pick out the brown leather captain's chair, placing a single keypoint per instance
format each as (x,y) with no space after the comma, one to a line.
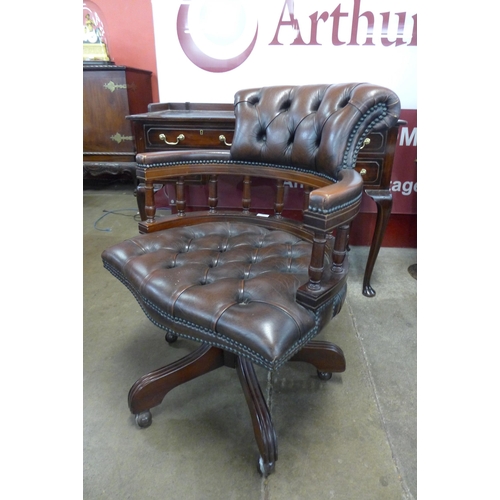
(254,289)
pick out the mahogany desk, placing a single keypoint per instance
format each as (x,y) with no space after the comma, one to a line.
(210,125)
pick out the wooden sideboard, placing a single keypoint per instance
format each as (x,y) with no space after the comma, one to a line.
(110,93)
(210,125)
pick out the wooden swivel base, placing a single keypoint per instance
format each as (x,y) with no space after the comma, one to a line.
(150,389)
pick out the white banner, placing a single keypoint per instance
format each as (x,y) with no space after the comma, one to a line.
(206,50)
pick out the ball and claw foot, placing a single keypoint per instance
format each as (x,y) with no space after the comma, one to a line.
(171,337)
(143,419)
(265,468)
(324,375)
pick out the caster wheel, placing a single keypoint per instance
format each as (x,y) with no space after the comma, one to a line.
(265,468)
(144,419)
(324,375)
(171,337)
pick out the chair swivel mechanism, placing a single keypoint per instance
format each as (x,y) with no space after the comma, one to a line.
(253,288)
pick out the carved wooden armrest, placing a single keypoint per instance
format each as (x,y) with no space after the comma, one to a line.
(154,161)
(335,204)
(330,207)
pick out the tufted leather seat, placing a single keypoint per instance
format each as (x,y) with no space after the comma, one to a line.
(231,285)
(254,289)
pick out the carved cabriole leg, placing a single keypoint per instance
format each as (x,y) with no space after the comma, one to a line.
(150,389)
(383,199)
(326,357)
(149,202)
(263,428)
(340,248)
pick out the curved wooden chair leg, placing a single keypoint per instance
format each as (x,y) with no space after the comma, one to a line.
(383,199)
(263,427)
(326,357)
(150,389)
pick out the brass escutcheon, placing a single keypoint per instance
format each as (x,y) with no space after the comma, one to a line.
(112,86)
(119,137)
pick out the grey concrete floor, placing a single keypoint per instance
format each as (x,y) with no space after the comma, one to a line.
(350,438)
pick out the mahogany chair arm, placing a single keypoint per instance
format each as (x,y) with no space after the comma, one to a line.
(336,204)
(328,198)
(182,156)
(330,207)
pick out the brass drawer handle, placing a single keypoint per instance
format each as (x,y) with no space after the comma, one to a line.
(363,171)
(180,138)
(365,143)
(222,138)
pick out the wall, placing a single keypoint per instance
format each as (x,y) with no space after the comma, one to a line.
(130,34)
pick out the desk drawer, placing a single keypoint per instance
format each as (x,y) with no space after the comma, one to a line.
(370,170)
(185,138)
(376,142)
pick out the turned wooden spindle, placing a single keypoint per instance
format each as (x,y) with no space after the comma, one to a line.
(212,193)
(149,200)
(180,201)
(340,248)
(246,199)
(307,191)
(316,265)
(279,202)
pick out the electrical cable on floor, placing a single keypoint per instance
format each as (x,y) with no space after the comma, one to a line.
(136,216)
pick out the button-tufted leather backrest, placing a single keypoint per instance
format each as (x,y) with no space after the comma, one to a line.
(309,127)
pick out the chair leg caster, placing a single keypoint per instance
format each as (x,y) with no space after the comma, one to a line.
(326,357)
(144,419)
(324,375)
(171,337)
(265,468)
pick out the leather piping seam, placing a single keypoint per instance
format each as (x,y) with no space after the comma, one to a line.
(238,162)
(229,344)
(336,208)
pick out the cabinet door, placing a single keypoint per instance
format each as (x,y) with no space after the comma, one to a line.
(105,105)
